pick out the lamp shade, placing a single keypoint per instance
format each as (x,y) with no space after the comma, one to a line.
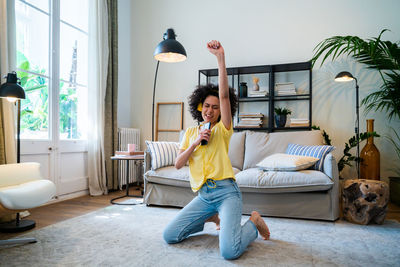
(11,88)
(170,50)
(344,76)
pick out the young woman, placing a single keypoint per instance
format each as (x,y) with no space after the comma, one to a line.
(211,172)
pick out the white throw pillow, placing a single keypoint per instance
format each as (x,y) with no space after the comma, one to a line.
(285,162)
(162,153)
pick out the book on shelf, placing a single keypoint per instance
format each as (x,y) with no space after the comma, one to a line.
(299,119)
(257,93)
(299,122)
(251,115)
(248,126)
(286,93)
(284,86)
(285,89)
(300,125)
(249,123)
(250,119)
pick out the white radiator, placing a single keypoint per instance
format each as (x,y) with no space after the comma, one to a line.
(128,136)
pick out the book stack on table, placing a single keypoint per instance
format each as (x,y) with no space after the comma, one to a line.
(250,120)
(129,153)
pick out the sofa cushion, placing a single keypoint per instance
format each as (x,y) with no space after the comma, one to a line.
(254,179)
(162,153)
(172,176)
(236,149)
(286,162)
(259,145)
(313,151)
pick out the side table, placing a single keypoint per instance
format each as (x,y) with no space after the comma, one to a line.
(365,201)
(136,159)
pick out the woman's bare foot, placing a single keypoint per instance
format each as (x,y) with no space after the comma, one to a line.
(214,219)
(260,224)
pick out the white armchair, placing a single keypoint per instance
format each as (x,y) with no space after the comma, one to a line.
(22,187)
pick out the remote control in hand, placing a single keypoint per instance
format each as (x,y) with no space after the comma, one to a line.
(205,126)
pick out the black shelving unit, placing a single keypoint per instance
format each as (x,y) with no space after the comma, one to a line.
(271,71)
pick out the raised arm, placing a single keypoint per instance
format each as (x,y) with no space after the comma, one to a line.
(216,49)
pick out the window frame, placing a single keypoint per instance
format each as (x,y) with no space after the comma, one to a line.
(54,75)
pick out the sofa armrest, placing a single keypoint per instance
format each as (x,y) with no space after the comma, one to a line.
(331,170)
(147,160)
(331,167)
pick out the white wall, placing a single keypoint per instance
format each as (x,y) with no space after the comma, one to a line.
(124,112)
(254,33)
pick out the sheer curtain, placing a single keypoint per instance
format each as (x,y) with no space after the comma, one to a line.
(98,65)
(8,152)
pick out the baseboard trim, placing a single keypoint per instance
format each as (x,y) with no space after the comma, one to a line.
(68,196)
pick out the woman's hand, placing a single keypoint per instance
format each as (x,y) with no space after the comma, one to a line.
(204,134)
(184,155)
(215,48)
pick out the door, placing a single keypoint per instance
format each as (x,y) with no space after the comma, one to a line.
(52,48)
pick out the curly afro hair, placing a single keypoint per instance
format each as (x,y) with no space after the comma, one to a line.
(201,93)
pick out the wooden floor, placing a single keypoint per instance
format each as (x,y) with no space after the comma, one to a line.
(57,212)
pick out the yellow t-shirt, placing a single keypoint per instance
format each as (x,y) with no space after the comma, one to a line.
(211,160)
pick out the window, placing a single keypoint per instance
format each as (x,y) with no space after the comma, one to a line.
(52,62)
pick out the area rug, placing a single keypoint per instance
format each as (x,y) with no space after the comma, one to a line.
(132,236)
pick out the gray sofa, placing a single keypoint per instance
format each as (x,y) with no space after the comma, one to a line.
(307,194)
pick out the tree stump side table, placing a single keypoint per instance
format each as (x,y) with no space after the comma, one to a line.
(365,201)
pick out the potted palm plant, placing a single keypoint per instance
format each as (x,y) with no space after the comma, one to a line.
(383,56)
(281,116)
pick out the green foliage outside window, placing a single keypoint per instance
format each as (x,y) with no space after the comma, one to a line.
(35,108)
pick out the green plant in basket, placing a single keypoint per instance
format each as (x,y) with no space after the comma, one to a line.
(282,111)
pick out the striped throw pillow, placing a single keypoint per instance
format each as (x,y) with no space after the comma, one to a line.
(311,151)
(162,153)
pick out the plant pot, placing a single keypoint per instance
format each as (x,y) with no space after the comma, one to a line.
(394,185)
(280,120)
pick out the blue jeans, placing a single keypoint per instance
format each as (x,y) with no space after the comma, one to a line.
(226,200)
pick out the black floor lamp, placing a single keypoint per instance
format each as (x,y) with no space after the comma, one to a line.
(345,76)
(169,50)
(13,91)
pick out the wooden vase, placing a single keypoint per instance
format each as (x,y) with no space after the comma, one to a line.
(370,157)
